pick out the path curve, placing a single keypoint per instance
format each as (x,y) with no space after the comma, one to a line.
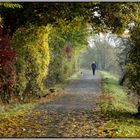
(72,115)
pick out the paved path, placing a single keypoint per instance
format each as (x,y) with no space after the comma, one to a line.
(72,115)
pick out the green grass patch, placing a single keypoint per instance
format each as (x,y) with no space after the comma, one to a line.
(15,110)
(73,77)
(118,109)
(68,80)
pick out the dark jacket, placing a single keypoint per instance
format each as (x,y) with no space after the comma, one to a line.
(93,65)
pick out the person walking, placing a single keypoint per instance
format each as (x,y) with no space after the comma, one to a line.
(93,66)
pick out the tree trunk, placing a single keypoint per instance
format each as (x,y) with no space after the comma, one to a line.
(122,79)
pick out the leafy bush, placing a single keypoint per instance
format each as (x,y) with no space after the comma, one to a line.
(7,68)
(31,45)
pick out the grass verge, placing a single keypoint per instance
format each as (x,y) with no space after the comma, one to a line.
(117,108)
(15,110)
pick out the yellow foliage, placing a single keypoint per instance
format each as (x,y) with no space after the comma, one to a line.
(33,57)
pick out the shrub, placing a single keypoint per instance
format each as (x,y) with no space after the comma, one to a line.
(31,45)
(7,68)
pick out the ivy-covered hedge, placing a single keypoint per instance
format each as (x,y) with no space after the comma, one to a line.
(31,45)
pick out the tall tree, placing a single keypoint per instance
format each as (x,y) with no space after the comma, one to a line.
(133,66)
